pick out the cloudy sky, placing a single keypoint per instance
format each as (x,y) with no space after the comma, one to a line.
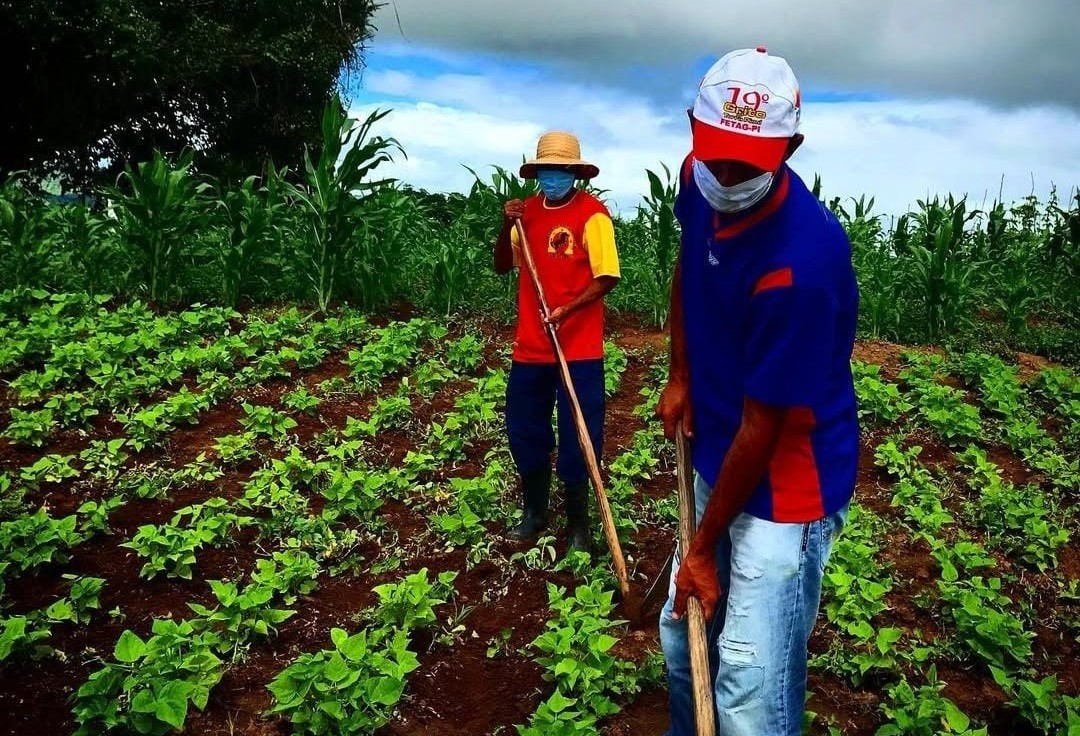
(901,100)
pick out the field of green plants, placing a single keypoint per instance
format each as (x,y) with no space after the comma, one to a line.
(253,471)
(998,277)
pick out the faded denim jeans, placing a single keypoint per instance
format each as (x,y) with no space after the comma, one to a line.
(770,582)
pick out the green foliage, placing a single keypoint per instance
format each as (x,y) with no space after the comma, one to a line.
(170,548)
(411,603)
(300,400)
(254,223)
(1041,703)
(942,407)
(999,278)
(351,688)
(37,539)
(151,684)
(161,211)
(265,421)
(49,469)
(92,248)
(575,651)
(242,82)
(854,585)
(31,428)
(648,247)
(334,196)
(465,354)
(358,492)
(25,250)
(878,398)
(391,349)
(461,527)
(614,365)
(924,711)
(1020,520)
(22,635)
(11,498)
(241,615)
(83,598)
(984,623)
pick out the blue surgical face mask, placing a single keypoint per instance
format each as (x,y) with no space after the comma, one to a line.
(555,184)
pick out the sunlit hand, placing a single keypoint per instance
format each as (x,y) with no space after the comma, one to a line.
(674,407)
(557,315)
(697,577)
(514,210)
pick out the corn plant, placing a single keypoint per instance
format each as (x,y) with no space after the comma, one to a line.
(380,267)
(252,215)
(332,196)
(91,247)
(943,277)
(161,212)
(651,260)
(24,242)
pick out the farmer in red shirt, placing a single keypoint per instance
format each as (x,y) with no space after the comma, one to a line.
(572,241)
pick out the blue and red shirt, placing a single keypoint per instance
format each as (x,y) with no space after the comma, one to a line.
(770,304)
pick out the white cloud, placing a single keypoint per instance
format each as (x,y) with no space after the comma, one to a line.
(897,151)
(439,141)
(1000,51)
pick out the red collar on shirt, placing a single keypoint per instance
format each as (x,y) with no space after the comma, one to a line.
(729,227)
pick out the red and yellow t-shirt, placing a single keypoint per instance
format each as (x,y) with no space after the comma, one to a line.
(571,245)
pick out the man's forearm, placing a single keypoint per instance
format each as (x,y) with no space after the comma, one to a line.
(504,254)
(744,468)
(598,289)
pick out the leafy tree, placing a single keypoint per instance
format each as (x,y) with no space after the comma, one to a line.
(93,85)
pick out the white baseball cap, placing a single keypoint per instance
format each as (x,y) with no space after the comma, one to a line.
(747,109)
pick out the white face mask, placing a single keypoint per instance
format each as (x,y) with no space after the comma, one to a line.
(735,198)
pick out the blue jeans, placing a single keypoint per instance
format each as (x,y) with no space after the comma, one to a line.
(770,583)
(533,392)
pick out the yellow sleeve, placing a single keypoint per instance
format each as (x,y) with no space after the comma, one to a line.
(515,246)
(600,242)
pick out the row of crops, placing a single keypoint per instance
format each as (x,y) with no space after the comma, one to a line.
(997,276)
(220,522)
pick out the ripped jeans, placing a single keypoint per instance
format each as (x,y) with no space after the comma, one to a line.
(770,583)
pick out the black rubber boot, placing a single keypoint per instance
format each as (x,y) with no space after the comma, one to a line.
(535,488)
(577,516)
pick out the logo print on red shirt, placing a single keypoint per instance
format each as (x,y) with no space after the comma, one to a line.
(561,239)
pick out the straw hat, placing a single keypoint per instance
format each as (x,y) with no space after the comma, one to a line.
(562,149)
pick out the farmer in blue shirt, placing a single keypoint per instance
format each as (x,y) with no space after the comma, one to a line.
(764,305)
